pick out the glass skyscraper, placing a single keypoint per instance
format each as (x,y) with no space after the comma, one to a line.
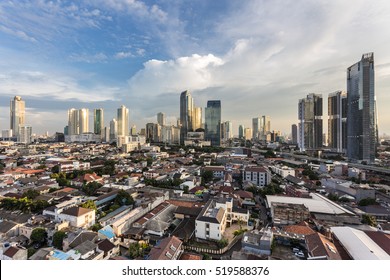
(98,121)
(362,131)
(17,115)
(310,122)
(186,114)
(213,122)
(337,122)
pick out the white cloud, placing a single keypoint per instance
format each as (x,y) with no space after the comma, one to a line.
(280,51)
(37,84)
(122,55)
(88,58)
(194,72)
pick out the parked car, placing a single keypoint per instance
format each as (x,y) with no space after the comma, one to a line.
(300,254)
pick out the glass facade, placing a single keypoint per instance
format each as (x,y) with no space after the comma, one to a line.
(213,122)
(361,110)
(310,122)
(337,112)
(186,114)
(98,121)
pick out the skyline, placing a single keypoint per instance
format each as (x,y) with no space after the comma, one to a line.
(102,54)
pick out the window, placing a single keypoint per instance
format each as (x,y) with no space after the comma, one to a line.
(173,248)
(169,255)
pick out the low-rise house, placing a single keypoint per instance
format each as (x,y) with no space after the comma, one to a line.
(257,242)
(215,216)
(108,248)
(8,229)
(169,248)
(14,253)
(78,217)
(321,248)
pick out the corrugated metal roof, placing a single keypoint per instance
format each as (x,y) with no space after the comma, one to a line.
(358,244)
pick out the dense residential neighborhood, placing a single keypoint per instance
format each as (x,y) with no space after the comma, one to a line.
(86,201)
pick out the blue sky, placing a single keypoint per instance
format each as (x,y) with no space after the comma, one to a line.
(257,57)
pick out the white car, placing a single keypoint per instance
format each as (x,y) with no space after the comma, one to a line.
(300,254)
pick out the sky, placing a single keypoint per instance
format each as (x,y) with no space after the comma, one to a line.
(257,57)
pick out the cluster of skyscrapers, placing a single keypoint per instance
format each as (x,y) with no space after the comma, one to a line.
(352,121)
(18,130)
(352,116)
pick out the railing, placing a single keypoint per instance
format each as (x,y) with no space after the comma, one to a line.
(213,251)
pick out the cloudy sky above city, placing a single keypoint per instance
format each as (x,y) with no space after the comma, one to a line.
(257,57)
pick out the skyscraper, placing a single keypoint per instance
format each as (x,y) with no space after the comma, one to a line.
(265,127)
(241,130)
(255,128)
(362,130)
(310,122)
(113,130)
(98,121)
(186,114)
(73,122)
(123,121)
(294,134)
(17,115)
(197,118)
(213,122)
(83,121)
(161,118)
(25,132)
(337,122)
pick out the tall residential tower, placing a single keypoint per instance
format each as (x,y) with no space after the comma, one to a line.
(17,115)
(362,131)
(337,122)
(310,122)
(213,122)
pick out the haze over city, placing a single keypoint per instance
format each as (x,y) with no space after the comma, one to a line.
(257,57)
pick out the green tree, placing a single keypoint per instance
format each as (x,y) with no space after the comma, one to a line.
(38,235)
(91,188)
(222,243)
(96,227)
(137,250)
(89,204)
(123,198)
(30,252)
(207,176)
(31,194)
(369,220)
(58,239)
(367,201)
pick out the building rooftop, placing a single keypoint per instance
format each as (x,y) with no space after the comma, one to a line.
(316,204)
(359,245)
(76,211)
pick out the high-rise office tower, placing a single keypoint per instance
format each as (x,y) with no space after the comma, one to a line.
(133,130)
(362,131)
(98,121)
(123,121)
(113,130)
(265,127)
(17,115)
(227,131)
(337,121)
(310,122)
(197,118)
(247,133)
(213,122)
(25,132)
(186,114)
(73,122)
(241,129)
(294,134)
(83,121)
(255,128)
(161,118)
